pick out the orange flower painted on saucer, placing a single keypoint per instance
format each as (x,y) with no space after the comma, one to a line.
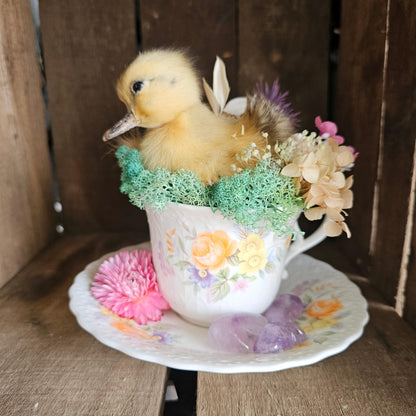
(210,250)
(323,308)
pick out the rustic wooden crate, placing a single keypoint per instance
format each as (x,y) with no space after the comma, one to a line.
(368,86)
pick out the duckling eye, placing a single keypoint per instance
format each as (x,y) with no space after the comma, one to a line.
(137,86)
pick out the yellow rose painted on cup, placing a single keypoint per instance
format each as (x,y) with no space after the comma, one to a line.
(210,250)
(252,255)
(324,307)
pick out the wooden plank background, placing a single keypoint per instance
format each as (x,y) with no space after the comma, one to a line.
(49,364)
(26,203)
(359,112)
(397,160)
(288,40)
(86,46)
(210,30)
(376,109)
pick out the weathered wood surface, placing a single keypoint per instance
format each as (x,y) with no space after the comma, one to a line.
(288,40)
(410,286)
(48,364)
(206,30)
(397,158)
(26,207)
(86,46)
(359,111)
(376,111)
(374,376)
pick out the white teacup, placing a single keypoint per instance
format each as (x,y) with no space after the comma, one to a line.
(208,266)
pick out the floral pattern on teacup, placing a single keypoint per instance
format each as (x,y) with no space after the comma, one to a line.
(211,250)
(252,255)
(219,263)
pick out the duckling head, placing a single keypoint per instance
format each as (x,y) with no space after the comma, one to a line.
(156,87)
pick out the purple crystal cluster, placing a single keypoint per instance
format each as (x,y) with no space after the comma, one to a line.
(272,332)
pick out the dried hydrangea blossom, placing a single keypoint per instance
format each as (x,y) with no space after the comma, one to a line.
(320,176)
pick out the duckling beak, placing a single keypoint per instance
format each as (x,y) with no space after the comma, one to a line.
(125,124)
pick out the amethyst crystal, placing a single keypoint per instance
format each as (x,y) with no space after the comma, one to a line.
(237,333)
(276,338)
(285,308)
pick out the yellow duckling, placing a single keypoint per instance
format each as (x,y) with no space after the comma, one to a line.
(162,93)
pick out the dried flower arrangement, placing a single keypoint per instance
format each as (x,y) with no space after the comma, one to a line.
(307,171)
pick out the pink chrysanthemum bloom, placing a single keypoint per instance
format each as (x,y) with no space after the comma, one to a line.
(126,284)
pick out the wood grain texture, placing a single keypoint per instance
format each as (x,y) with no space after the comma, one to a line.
(48,364)
(398,148)
(359,111)
(374,376)
(86,46)
(410,287)
(26,202)
(206,29)
(288,40)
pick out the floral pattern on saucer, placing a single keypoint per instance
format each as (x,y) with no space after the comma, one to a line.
(322,317)
(335,315)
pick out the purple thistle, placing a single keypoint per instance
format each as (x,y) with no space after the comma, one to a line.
(278,98)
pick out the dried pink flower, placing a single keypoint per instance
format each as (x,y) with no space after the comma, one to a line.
(329,128)
(126,284)
(353,151)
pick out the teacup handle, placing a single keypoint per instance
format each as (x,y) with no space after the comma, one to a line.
(302,244)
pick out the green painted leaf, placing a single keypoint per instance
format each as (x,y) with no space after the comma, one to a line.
(250,278)
(219,290)
(307,299)
(233,260)
(182,245)
(182,265)
(223,274)
(234,278)
(270,266)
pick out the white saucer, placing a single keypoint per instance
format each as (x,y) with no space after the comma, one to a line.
(176,343)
